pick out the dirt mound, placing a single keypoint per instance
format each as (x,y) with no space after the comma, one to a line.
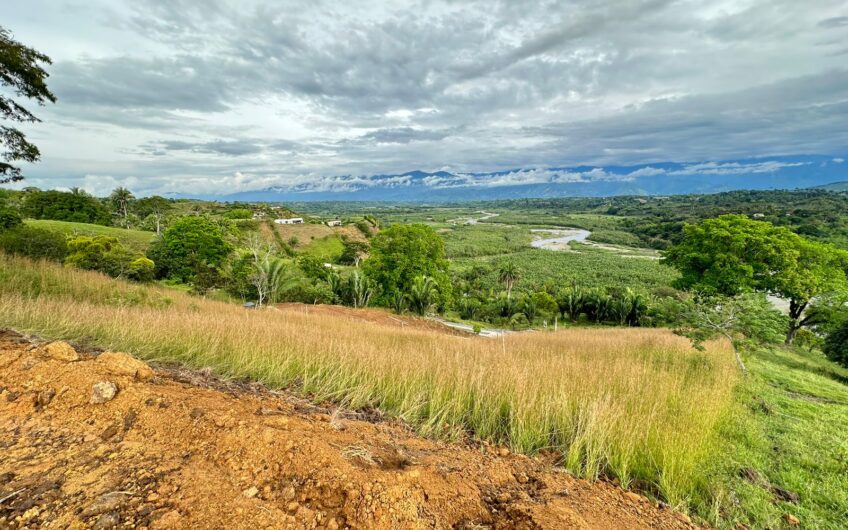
(175,449)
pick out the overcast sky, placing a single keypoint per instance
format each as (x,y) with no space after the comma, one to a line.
(215,96)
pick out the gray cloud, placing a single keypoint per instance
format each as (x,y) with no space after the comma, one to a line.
(218,95)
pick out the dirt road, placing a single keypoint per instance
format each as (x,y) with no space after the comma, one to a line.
(99,440)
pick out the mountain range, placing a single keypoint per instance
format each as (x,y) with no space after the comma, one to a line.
(666,178)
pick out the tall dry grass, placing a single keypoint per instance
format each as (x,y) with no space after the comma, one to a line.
(628,403)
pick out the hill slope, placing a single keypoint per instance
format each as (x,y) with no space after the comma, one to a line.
(181,450)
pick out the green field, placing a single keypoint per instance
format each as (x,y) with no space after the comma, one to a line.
(789,432)
(134,239)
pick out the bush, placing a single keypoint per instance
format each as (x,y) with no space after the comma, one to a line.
(836,345)
(33,242)
(9,219)
(141,269)
(107,255)
(239,213)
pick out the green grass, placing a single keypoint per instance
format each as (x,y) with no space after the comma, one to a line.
(327,249)
(137,240)
(791,427)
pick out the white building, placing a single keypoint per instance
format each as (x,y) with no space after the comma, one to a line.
(334,223)
(290,221)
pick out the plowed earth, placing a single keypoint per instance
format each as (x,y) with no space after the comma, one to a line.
(177,449)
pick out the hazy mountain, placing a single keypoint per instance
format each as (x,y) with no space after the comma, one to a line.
(668,178)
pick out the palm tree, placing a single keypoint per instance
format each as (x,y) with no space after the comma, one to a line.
(508,274)
(361,288)
(121,199)
(421,294)
(280,278)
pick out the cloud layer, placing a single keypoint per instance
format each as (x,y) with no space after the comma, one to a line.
(218,96)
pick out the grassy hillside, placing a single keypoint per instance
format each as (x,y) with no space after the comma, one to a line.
(634,404)
(134,239)
(787,438)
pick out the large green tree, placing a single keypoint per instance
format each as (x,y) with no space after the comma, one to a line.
(732,254)
(192,250)
(402,253)
(22,73)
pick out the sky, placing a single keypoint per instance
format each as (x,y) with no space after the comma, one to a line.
(215,97)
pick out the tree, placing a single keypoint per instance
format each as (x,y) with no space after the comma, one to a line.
(422,294)
(508,274)
(353,252)
(735,318)
(21,71)
(9,218)
(836,345)
(76,206)
(192,250)
(402,253)
(120,199)
(153,208)
(732,254)
(263,269)
(360,288)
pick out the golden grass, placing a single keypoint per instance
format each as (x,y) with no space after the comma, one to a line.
(628,403)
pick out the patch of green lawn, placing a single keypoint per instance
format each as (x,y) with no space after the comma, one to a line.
(791,430)
(137,240)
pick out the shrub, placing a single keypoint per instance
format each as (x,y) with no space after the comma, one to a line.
(546,305)
(9,219)
(836,345)
(33,242)
(141,269)
(107,255)
(239,213)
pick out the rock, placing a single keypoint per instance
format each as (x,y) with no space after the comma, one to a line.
(196,413)
(503,451)
(108,502)
(61,351)
(785,495)
(107,521)
(170,519)
(635,497)
(44,398)
(109,432)
(251,492)
(129,419)
(103,391)
(125,364)
(791,520)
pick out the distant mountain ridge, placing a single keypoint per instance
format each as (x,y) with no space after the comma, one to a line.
(667,178)
(834,186)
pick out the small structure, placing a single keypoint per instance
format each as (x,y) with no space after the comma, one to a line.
(290,221)
(250,305)
(759,216)
(334,222)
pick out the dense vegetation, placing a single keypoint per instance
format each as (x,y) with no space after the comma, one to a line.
(721,256)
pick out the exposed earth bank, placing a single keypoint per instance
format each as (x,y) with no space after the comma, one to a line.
(99,440)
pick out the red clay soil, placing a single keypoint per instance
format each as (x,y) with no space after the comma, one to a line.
(373,315)
(176,449)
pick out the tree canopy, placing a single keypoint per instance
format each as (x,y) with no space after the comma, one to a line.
(21,71)
(732,254)
(192,250)
(402,253)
